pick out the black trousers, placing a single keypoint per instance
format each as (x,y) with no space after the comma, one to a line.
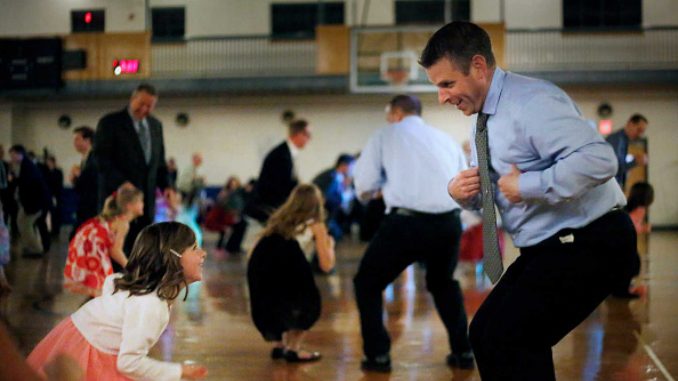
(400,241)
(234,243)
(551,288)
(135,227)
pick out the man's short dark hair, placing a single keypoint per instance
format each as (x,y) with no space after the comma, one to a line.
(297,126)
(146,88)
(458,41)
(344,158)
(409,104)
(86,132)
(18,148)
(637,118)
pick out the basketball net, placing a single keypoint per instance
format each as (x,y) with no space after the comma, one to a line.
(397,77)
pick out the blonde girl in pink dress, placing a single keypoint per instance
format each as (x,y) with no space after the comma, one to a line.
(101,239)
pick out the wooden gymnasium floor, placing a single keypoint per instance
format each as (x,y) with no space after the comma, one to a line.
(621,340)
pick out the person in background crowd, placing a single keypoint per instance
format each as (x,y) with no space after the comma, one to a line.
(5,256)
(84,177)
(54,177)
(172,172)
(337,187)
(7,191)
(34,201)
(278,175)
(640,198)
(129,147)
(227,215)
(191,180)
(633,130)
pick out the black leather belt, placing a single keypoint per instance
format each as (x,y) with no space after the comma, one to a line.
(414,213)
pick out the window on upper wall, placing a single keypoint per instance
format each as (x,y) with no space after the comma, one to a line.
(169,24)
(431,11)
(602,14)
(298,20)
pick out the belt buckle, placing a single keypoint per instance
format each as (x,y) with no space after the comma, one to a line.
(404,212)
(569,238)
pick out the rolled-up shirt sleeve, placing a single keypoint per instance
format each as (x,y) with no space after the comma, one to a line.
(581,158)
(368,173)
(145,319)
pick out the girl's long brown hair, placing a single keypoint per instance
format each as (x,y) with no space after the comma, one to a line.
(152,266)
(304,204)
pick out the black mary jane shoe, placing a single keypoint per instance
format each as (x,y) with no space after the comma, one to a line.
(293,356)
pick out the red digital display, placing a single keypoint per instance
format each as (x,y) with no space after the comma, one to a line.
(88,17)
(125,67)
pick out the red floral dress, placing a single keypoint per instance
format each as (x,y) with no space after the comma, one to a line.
(89,260)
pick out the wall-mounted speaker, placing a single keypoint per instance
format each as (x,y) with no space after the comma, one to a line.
(604,110)
(182,119)
(64,121)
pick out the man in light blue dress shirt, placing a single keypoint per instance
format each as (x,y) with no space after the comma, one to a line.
(553,183)
(411,162)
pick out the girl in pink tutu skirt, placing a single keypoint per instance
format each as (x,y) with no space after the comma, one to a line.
(110,335)
(99,240)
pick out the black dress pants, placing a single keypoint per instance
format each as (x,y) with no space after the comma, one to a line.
(551,288)
(234,243)
(400,241)
(135,227)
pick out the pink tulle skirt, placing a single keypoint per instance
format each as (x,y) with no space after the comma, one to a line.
(66,339)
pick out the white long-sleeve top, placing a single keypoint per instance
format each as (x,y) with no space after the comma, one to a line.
(127,327)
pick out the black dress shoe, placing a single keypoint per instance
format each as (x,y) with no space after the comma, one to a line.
(463,361)
(293,356)
(277,353)
(380,364)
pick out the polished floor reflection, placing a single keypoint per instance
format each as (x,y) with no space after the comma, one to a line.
(621,340)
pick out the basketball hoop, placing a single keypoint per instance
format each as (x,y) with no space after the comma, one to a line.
(398,68)
(397,77)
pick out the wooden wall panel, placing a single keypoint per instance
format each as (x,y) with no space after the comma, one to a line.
(497,34)
(103,48)
(333,50)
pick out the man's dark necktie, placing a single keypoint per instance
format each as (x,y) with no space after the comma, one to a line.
(144,139)
(491,257)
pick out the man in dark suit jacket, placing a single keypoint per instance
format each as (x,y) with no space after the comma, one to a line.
(34,200)
(129,148)
(634,129)
(85,178)
(278,177)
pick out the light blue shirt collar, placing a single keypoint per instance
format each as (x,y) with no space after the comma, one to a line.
(492,99)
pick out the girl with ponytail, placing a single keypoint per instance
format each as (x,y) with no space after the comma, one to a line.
(101,239)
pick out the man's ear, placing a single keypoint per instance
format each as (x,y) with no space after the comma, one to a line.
(399,114)
(478,66)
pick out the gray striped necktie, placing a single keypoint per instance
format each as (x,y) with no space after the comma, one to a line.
(491,257)
(144,139)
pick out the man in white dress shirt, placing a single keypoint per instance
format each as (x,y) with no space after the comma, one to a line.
(411,162)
